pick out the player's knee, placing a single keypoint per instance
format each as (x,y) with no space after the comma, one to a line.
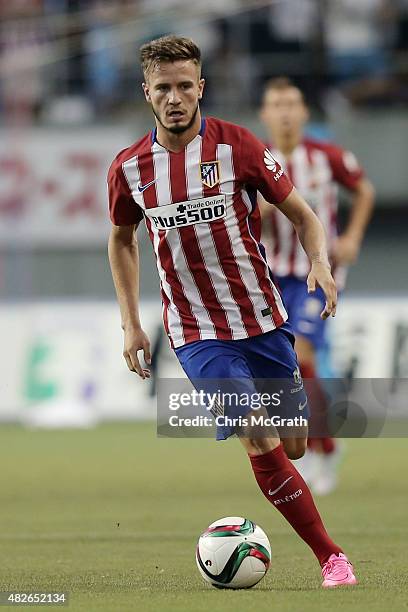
(259,446)
(295,448)
(256,446)
(297,453)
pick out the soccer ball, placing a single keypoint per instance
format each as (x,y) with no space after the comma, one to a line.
(233,553)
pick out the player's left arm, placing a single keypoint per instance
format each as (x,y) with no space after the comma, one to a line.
(347,246)
(312,237)
(257,167)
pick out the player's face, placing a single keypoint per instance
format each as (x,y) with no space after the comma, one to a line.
(284,112)
(174,89)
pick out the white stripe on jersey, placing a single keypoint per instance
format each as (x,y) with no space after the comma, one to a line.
(180,264)
(207,247)
(244,265)
(131,171)
(327,194)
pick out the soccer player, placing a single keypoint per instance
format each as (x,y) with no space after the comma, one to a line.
(194,182)
(316,169)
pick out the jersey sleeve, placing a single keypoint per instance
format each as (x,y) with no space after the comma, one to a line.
(259,169)
(123,209)
(345,167)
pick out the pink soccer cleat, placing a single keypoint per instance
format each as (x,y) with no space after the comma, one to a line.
(338,571)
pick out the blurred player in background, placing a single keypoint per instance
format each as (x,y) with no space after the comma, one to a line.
(194,182)
(316,169)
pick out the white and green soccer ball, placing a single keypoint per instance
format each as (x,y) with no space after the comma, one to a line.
(233,553)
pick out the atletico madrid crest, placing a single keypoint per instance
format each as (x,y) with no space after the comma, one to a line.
(210,173)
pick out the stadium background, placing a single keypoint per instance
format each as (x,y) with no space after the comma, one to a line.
(70,99)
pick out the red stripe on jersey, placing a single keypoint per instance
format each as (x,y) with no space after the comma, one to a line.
(226,256)
(192,251)
(256,223)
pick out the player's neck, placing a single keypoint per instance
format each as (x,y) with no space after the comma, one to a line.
(287,143)
(177,142)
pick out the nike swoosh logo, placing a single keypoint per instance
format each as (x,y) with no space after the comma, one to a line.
(280,486)
(141,187)
(301,406)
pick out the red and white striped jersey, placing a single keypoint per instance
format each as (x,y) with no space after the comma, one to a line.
(200,210)
(316,169)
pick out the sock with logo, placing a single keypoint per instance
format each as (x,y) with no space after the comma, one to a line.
(318,408)
(284,487)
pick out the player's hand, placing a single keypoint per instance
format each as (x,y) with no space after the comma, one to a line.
(346,249)
(320,275)
(136,340)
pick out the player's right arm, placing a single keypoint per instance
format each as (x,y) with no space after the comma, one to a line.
(124,262)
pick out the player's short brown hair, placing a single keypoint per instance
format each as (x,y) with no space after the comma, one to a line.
(168,49)
(280,84)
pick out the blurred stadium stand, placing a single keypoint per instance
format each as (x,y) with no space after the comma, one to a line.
(54,49)
(69,74)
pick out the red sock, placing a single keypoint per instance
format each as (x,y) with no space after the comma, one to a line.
(328,445)
(324,445)
(318,406)
(291,496)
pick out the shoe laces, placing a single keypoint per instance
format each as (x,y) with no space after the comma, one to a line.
(335,566)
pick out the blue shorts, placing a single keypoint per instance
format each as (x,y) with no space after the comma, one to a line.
(304,309)
(248,363)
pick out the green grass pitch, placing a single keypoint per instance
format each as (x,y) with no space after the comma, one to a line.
(112,515)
